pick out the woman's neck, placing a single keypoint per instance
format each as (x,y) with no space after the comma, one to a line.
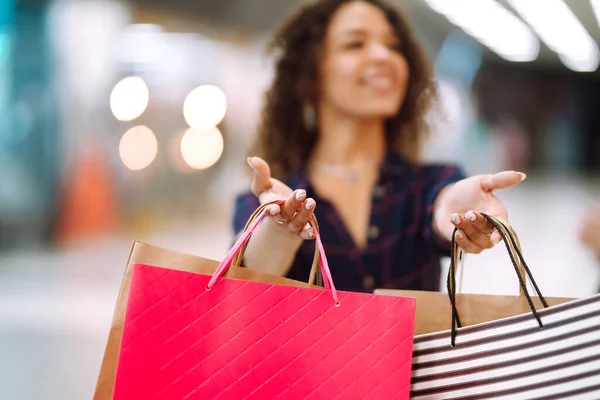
(346,141)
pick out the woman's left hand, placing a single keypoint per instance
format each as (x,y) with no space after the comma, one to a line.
(460,206)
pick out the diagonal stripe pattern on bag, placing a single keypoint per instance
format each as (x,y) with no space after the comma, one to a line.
(196,336)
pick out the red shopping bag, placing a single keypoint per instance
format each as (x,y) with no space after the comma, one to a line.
(196,336)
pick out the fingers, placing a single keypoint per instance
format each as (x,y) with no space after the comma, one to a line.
(300,221)
(475,233)
(292,204)
(262,175)
(495,237)
(295,213)
(466,244)
(501,180)
(479,222)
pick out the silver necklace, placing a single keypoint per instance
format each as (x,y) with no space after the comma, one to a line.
(348,172)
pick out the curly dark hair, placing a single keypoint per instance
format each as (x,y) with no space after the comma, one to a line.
(283,140)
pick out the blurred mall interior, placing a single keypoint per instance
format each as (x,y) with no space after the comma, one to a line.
(131,120)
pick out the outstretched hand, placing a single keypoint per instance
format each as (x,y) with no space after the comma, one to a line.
(294,214)
(460,206)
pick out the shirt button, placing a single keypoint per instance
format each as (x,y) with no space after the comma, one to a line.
(373,232)
(369,282)
(379,191)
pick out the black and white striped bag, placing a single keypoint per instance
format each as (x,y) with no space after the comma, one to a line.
(553,353)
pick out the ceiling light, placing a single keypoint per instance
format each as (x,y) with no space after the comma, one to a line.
(493,26)
(559,28)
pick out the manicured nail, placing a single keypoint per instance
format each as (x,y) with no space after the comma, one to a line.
(310,203)
(523,176)
(300,194)
(459,235)
(455,219)
(495,238)
(471,216)
(308,234)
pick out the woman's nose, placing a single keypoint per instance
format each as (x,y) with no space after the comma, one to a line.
(379,51)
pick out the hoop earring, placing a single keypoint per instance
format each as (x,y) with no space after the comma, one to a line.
(309,116)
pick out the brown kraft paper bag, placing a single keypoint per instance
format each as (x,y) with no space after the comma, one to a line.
(143,253)
(150,255)
(434,310)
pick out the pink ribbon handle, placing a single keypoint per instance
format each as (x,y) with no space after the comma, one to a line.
(226,263)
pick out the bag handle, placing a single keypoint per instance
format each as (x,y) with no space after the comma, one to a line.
(514,248)
(236,253)
(237,261)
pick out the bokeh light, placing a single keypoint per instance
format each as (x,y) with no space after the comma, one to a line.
(174,156)
(138,148)
(205,107)
(201,149)
(129,98)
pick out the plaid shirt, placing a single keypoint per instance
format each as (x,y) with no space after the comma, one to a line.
(402,251)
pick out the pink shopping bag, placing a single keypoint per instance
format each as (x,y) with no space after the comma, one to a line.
(197,336)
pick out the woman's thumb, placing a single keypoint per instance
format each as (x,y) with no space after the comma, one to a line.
(262,175)
(501,180)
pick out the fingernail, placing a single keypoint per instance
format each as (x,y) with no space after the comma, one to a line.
(455,219)
(495,238)
(249,160)
(310,203)
(308,234)
(300,194)
(523,176)
(274,210)
(471,216)
(459,235)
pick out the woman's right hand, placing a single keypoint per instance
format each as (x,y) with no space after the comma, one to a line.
(293,215)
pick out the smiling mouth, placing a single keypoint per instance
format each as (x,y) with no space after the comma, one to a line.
(379,83)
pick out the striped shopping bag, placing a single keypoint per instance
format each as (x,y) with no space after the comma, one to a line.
(552,353)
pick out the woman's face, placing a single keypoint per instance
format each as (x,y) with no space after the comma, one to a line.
(363,74)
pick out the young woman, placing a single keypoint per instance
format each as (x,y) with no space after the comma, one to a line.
(342,125)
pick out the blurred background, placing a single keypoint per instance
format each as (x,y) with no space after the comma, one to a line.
(98,98)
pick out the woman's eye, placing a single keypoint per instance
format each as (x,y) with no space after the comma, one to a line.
(354,45)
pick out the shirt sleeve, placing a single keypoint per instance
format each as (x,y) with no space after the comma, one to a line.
(245,205)
(437,177)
